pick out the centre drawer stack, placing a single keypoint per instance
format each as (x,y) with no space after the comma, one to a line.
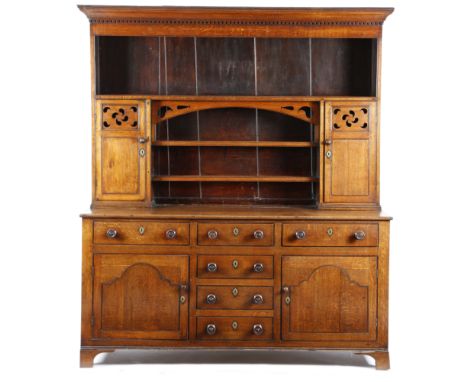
(234,290)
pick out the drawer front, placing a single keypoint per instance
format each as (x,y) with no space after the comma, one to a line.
(234,297)
(235,266)
(141,232)
(235,328)
(235,234)
(331,234)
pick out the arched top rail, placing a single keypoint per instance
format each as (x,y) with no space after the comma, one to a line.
(306,111)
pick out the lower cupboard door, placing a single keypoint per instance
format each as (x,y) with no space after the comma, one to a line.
(140,296)
(329,298)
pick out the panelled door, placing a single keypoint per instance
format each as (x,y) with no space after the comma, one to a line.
(329,298)
(140,296)
(350,153)
(122,142)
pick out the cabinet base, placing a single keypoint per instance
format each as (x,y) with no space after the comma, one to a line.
(87,356)
(382,358)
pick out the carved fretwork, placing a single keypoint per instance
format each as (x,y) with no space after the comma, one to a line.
(120,117)
(305,111)
(350,118)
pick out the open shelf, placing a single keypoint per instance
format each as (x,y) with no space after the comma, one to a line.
(233,144)
(234,66)
(219,178)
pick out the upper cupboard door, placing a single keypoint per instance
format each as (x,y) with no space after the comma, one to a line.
(140,296)
(350,153)
(329,298)
(122,145)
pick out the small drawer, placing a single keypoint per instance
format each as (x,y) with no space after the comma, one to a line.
(331,235)
(141,232)
(235,328)
(235,234)
(234,297)
(235,266)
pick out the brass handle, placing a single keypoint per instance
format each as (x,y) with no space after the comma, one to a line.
(285,289)
(257,299)
(212,267)
(300,235)
(171,233)
(359,235)
(258,267)
(257,329)
(210,329)
(211,299)
(142,140)
(327,142)
(213,234)
(258,234)
(111,233)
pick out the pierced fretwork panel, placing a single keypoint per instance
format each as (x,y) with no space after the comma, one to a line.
(119,117)
(350,118)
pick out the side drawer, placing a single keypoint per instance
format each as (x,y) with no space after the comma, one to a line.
(235,234)
(235,328)
(235,266)
(141,232)
(234,297)
(331,235)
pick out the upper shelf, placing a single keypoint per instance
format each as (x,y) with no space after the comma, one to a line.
(255,67)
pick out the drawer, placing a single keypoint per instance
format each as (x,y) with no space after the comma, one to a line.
(235,328)
(141,232)
(331,234)
(235,234)
(235,266)
(234,297)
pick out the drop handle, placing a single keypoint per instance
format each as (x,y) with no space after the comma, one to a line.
(212,267)
(258,267)
(212,234)
(258,234)
(211,329)
(300,235)
(171,234)
(211,299)
(111,233)
(257,329)
(359,235)
(257,299)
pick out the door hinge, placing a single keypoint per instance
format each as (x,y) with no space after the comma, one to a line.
(92,320)
(92,271)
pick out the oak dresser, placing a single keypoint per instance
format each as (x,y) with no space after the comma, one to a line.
(235,181)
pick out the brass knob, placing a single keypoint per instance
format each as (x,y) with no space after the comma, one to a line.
(111,233)
(359,235)
(210,329)
(171,233)
(286,289)
(258,267)
(300,235)
(211,299)
(257,299)
(258,234)
(142,140)
(212,267)
(213,234)
(327,142)
(257,329)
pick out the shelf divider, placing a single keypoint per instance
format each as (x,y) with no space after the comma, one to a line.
(194,143)
(233,178)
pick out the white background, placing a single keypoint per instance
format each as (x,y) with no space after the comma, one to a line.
(45,160)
